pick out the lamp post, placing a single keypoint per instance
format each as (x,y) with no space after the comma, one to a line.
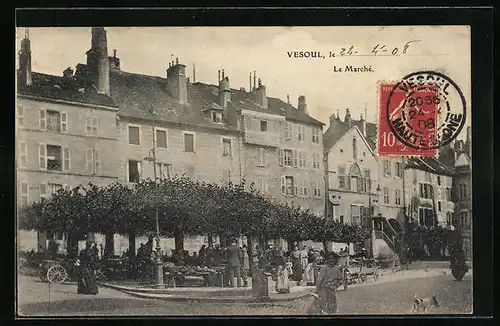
(372,224)
(158,258)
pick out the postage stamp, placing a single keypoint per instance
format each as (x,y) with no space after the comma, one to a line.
(424,111)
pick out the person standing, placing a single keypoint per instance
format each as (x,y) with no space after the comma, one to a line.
(329,279)
(87,283)
(234,264)
(304,255)
(245,266)
(296,265)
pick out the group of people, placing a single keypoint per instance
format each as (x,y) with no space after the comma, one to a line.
(86,268)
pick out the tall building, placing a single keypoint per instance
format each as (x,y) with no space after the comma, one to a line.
(64,132)
(352,173)
(207,132)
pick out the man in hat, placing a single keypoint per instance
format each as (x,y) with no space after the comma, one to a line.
(234,264)
(329,279)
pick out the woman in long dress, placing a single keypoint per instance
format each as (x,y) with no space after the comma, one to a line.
(309,272)
(87,283)
(296,265)
(282,282)
(329,279)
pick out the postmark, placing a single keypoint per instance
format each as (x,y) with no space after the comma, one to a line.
(419,114)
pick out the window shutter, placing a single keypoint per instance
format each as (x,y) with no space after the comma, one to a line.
(283,184)
(88,160)
(23,159)
(281,156)
(348,181)
(43,120)
(42,156)
(64,122)
(295,186)
(294,158)
(43,191)
(139,169)
(97,163)
(66,159)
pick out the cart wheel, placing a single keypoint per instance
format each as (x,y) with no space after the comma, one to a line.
(57,274)
(362,277)
(375,275)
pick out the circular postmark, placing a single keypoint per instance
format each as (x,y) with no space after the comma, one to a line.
(426,110)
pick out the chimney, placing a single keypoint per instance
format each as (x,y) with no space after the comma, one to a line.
(288,99)
(301,105)
(98,62)
(347,118)
(176,82)
(25,61)
(114,61)
(332,119)
(254,80)
(260,96)
(338,114)
(68,73)
(250,82)
(224,91)
(362,125)
(194,73)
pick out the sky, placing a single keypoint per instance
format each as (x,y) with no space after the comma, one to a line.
(241,50)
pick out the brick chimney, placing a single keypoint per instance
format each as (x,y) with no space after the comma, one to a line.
(259,95)
(114,61)
(362,125)
(224,90)
(25,61)
(302,105)
(347,118)
(98,62)
(333,118)
(176,81)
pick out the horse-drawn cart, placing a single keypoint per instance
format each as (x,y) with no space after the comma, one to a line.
(62,270)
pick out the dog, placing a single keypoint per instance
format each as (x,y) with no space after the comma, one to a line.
(422,304)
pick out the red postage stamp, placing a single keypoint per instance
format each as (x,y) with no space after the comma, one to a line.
(416,113)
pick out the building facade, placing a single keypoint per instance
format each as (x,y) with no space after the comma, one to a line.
(462,189)
(207,132)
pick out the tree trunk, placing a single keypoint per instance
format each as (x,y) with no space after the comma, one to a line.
(223,240)
(210,240)
(131,244)
(290,244)
(325,246)
(109,247)
(72,244)
(179,240)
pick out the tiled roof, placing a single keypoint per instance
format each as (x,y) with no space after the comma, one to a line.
(429,164)
(60,88)
(333,134)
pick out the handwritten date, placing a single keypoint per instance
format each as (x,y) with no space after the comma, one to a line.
(378,50)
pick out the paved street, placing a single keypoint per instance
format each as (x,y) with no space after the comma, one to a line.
(384,298)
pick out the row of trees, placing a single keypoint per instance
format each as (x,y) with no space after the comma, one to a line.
(184,207)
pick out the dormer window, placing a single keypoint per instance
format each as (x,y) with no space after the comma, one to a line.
(217,117)
(263,125)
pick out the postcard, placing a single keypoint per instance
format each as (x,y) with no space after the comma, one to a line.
(252,170)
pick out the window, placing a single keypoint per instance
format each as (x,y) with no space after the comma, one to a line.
(387,168)
(161,138)
(355,215)
(134,135)
(316,188)
(261,185)
(92,163)
(462,191)
(226,147)
(164,170)
(92,123)
(316,160)
(341,219)
(226,176)
(355,182)
(20,116)
(448,194)
(342,177)
(217,117)
(426,191)
(449,219)
(302,160)
(188,142)
(134,168)
(439,180)
(315,135)
(55,158)
(288,131)
(425,216)
(262,157)
(43,191)
(300,133)
(397,194)
(354,149)
(288,157)
(288,186)
(439,206)
(24,194)
(464,220)
(53,121)
(398,166)
(386,195)
(336,213)
(53,188)
(368,180)
(22,154)
(263,125)
(302,187)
